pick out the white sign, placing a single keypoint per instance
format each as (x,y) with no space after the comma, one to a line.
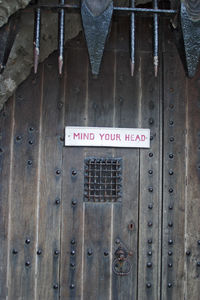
(107,137)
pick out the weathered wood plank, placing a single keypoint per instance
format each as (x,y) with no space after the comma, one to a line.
(49,212)
(125,214)
(6,130)
(150,202)
(192,208)
(23,194)
(72,191)
(173,177)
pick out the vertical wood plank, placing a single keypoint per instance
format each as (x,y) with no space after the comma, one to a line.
(23,218)
(6,131)
(192,226)
(150,183)
(72,190)
(173,177)
(49,212)
(125,215)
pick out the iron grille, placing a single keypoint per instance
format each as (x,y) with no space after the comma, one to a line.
(103,180)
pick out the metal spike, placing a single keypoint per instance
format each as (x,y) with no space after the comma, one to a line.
(36,41)
(132,39)
(155,39)
(61,36)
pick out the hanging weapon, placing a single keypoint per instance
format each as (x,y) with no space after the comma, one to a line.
(36,41)
(61,36)
(132,38)
(155,28)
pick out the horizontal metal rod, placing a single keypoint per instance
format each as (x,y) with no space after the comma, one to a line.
(116,8)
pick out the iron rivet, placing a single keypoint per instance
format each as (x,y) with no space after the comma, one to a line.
(56,252)
(74,172)
(169,285)
(39,252)
(171,123)
(170,242)
(55,286)
(15,251)
(31,129)
(18,138)
(72,286)
(61,138)
(148,285)
(150,224)
(74,202)
(58,172)
(171,155)
(149,253)
(170,207)
(170,253)
(151,121)
(170,265)
(171,190)
(28,241)
(151,138)
(73,252)
(27,263)
(188,252)
(150,154)
(149,264)
(170,224)
(117,241)
(106,253)
(150,172)
(57,201)
(90,252)
(30,142)
(198,264)
(171,139)
(198,242)
(150,189)
(150,241)
(72,264)
(171,172)
(30,162)
(1,150)
(60,105)
(150,206)
(171,106)
(73,242)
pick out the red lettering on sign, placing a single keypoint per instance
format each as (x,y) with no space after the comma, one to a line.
(118,138)
(76,135)
(143,137)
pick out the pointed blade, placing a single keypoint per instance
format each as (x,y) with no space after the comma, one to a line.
(96,28)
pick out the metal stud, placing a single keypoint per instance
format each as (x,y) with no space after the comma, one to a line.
(171,172)
(73,252)
(56,252)
(171,106)
(171,190)
(188,252)
(74,172)
(58,172)
(171,155)
(1,150)
(170,224)
(170,253)
(18,138)
(170,207)
(151,138)
(72,286)
(170,242)
(149,253)
(171,139)
(151,121)
(90,252)
(106,253)
(150,154)
(73,242)
(148,285)
(117,241)
(74,202)
(198,242)
(72,265)
(198,264)
(169,285)
(57,201)
(149,241)
(150,206)
(27,241)
(29,162)
(170,265)
(15,251)
(39,252)
(150,224)
(55,286)
(31,129)
(171,123)
(150,172)
(27,263)
(149,264)
(150,189)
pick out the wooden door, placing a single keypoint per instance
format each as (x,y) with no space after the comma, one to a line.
(102,223)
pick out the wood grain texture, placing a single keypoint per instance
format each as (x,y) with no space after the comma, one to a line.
(192,226)
(49,213)
(174,179)
(23,194)
(6,129)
